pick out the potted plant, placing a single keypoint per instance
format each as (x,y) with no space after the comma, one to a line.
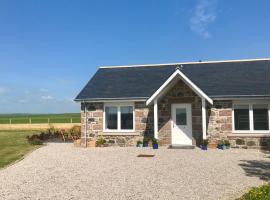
(139,143)
(221,145)
(227,144)
(204,144)
(100,142)
(145,142)
(155,143)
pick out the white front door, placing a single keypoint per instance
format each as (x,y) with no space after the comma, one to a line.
(181,124)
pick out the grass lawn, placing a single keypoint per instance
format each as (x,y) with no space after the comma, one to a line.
(13,146)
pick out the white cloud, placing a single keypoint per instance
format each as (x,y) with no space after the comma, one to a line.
(43,90)
(204,14)
(48,97)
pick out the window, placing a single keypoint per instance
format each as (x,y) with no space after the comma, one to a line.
(111,117)
(251,117)
(260,117)
(126,117)
(241,117)
(119,117)
(181,116)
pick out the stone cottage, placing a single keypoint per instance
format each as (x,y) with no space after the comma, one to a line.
(179,103)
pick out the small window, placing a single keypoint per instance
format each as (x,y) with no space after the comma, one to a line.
(119,117)
(181,116)
(241,117)
(260,117)
(126,117)
(111,118)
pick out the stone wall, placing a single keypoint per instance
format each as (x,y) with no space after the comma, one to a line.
(180,93)
(143,125)
(249,142)
(219,120)
(220,127)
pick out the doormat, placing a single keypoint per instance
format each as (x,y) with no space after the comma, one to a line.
(145,155)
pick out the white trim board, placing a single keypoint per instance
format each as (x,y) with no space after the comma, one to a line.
(194,87)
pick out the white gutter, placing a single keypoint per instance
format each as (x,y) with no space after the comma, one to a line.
(112,99)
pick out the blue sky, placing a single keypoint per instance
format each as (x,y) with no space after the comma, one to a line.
(49,49)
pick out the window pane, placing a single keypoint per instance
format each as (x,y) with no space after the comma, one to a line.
(126,117)
(241,117)
(181,116)
(260,117)
(111,117)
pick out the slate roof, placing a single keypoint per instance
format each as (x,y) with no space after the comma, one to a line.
(216,79)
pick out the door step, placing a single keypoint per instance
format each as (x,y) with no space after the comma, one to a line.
(181,146)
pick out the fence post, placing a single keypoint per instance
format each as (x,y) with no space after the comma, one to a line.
(30,121)
(48,120)
(9,121)
(71,120)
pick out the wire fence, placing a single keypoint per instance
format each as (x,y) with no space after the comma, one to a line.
(30,120)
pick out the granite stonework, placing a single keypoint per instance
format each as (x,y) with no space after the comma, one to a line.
(252,142)
(220,127)
(219,122)
(143,125)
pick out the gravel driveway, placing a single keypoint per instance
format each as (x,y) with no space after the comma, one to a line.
(60,171)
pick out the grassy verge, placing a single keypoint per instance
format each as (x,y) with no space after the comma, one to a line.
(13,146)
(257,193)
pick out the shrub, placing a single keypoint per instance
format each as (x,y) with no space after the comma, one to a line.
(75,133)
(139,142)
(100,141)
(72,134)
(36,141)
(145,141)
(32,137)
(65,134)
(227,143)
(205,142)
(257,193)
(154,141)
(221,142)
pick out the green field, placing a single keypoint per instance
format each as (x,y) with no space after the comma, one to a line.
(39,118)
(13,146)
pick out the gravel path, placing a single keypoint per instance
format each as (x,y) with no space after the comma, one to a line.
(60,171)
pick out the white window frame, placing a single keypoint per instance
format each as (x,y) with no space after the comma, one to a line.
(118,105)
(251,124)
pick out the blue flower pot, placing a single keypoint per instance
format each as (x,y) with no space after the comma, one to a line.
(204,147)
(155,146)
